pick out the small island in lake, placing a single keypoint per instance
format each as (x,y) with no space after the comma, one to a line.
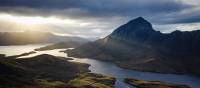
(60,45)
(152,84)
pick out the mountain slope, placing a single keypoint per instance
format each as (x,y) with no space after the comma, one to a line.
(136,45)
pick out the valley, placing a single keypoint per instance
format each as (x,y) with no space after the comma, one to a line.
(107,69)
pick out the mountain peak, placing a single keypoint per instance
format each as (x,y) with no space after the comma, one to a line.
(138,27)
(139,18)
(139,21)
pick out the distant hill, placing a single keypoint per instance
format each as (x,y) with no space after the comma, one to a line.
(60,45)
(136,45)
(31,37)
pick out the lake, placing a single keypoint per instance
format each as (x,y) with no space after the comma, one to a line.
(106,68)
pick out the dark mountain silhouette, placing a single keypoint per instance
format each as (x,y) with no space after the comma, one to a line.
(30,37)
(136,45)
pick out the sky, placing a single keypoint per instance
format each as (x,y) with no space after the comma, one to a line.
(96,18)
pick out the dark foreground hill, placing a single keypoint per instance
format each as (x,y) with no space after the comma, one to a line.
(136,45)
(31,37)
(46,71)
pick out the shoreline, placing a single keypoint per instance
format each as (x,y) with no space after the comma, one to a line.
(128,68)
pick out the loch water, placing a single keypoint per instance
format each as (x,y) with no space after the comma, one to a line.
(105,68)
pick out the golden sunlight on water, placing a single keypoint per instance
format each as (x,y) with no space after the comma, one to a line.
(19,49)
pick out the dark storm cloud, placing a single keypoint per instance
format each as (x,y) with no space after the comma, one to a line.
(189,20)
(49,4)
(192,17)
(154,10)
(99,5)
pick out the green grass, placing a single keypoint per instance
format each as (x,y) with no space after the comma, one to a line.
(45,84)
(92,81)
(46,71)
(152,84)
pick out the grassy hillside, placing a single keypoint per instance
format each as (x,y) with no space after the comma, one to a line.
(46,71)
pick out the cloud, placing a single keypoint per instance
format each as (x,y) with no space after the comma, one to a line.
(182,27)
(82,28)
(98,18)
(96,8)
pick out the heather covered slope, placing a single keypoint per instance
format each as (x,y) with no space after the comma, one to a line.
(136,45)
(46,71)
(38,72)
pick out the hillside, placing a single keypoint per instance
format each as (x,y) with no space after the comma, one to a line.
(136,45)
(46,71)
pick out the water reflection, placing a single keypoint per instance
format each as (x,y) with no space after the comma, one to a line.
(55,52)
(111,69)
(19,49)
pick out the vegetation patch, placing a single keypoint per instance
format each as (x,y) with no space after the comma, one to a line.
(46,71)
(152,84)
(90,80)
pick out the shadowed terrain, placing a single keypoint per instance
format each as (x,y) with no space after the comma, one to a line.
(152,84)
(46,71)
(136,45)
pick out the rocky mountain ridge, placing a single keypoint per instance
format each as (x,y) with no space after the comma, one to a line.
(136,45)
